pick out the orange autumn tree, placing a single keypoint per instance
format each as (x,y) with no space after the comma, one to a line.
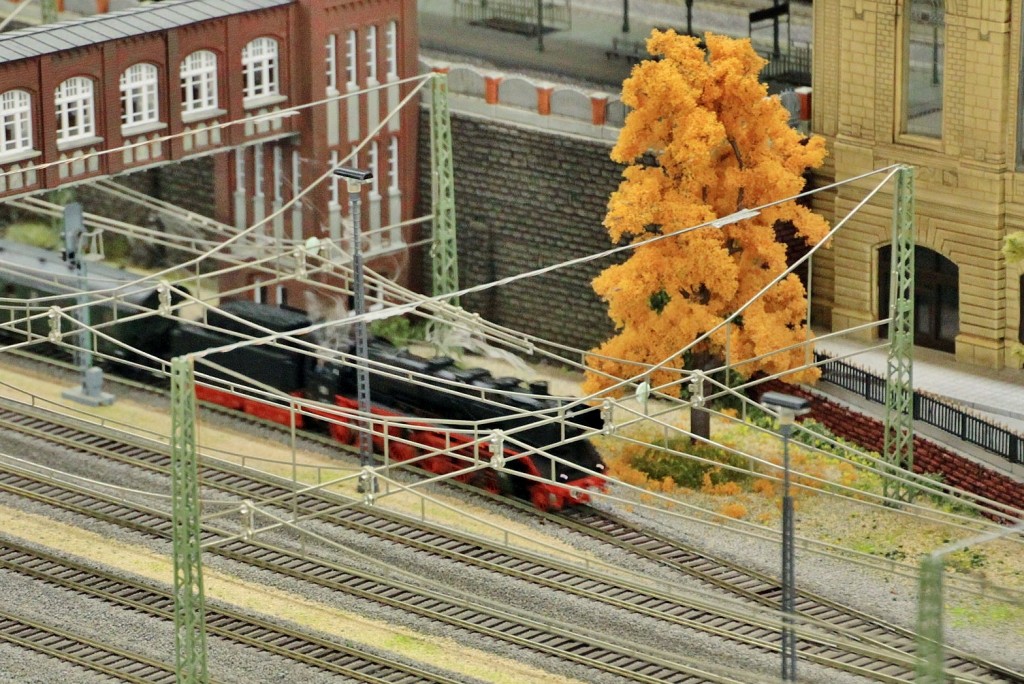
(704,140)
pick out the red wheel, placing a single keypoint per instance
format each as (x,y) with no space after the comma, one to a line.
(541,498)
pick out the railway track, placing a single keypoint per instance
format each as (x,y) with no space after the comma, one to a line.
(765,590)
(249,631)
(86,653)
(591,652)
(879,652)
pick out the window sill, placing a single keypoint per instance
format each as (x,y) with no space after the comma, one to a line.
(201,115)
(18,155)
(263,101)
(920,141)
(75,143)
(142,128)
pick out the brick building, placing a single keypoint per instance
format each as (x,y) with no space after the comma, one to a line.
(936,85)
(275,92)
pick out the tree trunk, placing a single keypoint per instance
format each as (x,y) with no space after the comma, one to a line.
(700,419)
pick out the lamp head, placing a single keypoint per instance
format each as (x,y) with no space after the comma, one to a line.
(779,400)
(787,405)
(356,178)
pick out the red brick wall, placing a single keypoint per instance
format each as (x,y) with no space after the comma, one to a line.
(929,457)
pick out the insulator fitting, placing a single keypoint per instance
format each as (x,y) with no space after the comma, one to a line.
(697,387)
(164,297)
(55,332)
(607,418)
(366,484)
(496,445)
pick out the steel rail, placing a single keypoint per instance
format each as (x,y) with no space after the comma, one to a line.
(82,651)
(869,653)
(232,625)
(632,661)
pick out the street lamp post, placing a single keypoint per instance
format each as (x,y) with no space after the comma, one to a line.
(356,179)
(788,408)
(90,390)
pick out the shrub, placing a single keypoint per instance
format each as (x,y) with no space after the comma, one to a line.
(35,234)
(734,510)
(398,330)
(658,462)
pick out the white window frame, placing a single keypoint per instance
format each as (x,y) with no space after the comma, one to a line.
(335,183)
(371,54)
(393,168)
(15,121)
(331,66)
(351,65)
(139,95)
(74,103)
(391,52)
(199,82)
(373,164)
(260,69)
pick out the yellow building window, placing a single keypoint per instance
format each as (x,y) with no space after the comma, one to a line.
(924,51)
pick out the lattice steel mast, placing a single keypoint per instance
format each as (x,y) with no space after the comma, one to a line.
(443,249)
(899,386)
(189,599)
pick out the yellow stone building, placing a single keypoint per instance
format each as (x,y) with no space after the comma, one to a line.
(937,85)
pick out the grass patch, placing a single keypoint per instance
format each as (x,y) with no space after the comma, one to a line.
(399,331)
(41,235)
(835,500)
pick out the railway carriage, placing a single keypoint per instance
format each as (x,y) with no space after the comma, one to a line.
(412,387)
(30,273)
(429,403)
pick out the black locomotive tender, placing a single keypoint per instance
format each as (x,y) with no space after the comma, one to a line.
(443,391)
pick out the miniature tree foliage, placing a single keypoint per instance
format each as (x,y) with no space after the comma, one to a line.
(1013,247)
(703,140)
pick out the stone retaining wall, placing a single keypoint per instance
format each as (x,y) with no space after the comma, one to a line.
(526,199)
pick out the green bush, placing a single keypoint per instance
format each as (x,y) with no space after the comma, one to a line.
(658,463)
(35,234)
(398,330)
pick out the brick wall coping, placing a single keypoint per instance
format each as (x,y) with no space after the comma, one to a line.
(514,98)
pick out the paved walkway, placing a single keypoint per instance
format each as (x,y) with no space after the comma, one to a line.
(579,52)
(997,393)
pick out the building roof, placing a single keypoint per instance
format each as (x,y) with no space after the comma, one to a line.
(136,21)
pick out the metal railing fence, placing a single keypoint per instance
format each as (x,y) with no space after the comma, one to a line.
(929,409)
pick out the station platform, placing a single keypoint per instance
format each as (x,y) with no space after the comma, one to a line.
(995,396)
(579,53)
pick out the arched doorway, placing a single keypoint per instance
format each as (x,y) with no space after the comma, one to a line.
(936,297)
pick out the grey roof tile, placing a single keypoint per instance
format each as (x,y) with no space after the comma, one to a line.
(136,21)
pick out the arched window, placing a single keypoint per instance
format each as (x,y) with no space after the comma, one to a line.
(371,53)
(199,82)
(259,64)
(936,297)
(74,103)
(393,164)
(331,46)
(15,121)
(139,95)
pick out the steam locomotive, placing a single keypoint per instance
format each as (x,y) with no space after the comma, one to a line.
(411,388)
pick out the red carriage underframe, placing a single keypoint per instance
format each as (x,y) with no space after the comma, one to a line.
(437,451)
